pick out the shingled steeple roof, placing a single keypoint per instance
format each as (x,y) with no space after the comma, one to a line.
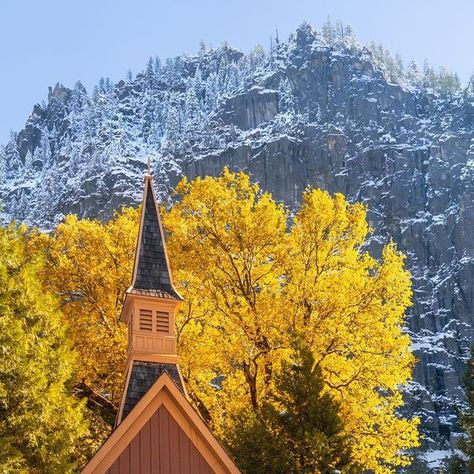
(156,428)
(152,275)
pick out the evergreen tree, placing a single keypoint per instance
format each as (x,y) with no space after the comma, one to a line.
(95,93)
(469,89)
(381,52)
(78,115)
(233,80)
(212,92)
(448,83)
(157,66)
(413,74)
(101,85)
(278,49)
(192,113)
(429,76)
(198,83)
(286,100)
(79,97)
(222,76)
(108,84)
(28,168)
(399,66)
(391,66)
(298,430)
(12,157)
(41,424)
(39,159)
(202,48)
(340,31)
(349,36)
(328,31)
(257,56)
(466,419)
(3,166)
(172,139)
(150,74)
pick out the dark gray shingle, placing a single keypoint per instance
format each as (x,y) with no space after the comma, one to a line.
(143,376)
(152,269)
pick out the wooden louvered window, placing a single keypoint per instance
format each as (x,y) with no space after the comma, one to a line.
(146,317)
(162,322)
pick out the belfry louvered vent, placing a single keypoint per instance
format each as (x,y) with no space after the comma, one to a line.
(146,320)
(162,322)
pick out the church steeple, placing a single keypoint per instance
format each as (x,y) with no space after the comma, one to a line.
(151,270)
(150,307)
(156,429)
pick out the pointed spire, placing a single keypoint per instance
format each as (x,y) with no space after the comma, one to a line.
(150,308)
(152,274)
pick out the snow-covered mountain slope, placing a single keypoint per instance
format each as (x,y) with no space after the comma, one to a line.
(316,111)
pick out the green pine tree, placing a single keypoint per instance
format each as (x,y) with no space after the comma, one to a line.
(457,465)
(465,463)
(298,430)
(40,422)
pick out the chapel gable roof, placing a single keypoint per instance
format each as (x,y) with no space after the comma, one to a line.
(164,434)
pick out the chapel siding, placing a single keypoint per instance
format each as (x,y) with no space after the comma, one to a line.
(160,447)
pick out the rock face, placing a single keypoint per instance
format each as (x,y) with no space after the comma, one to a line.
(314,113)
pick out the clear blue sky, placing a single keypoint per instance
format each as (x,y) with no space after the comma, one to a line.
(47,41)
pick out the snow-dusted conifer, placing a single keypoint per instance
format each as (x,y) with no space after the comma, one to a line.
(150,74)
(3,166)
(413,74)
(192,113)
(172,137)
(328,31)
(157,66)
(13,161)
(286,99)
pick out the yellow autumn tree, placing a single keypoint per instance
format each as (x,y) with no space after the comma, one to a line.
(224,247)
(89,265)
(41,422)
(252,277)
(351,308)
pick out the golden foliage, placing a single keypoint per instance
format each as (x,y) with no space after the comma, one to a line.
(224,248)
(253,276)
(89,267)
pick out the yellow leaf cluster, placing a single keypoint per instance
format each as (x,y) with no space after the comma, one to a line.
(89,266)
(253,277)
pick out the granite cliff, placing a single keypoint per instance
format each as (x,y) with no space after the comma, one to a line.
(316,111)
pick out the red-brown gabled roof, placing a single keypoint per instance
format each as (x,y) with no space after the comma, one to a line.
(163,434)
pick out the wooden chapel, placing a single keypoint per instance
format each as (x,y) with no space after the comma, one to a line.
(157,430)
